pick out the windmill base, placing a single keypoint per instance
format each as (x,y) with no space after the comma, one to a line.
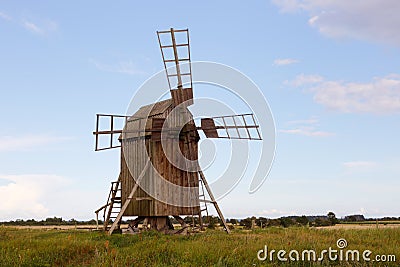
(158,223)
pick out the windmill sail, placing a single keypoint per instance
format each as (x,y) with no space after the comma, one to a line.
(175,51)
(111,130)
(242,126)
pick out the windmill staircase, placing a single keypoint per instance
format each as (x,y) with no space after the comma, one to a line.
(203,204)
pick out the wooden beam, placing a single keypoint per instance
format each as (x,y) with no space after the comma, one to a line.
(97,129)
(178,69)
(102,207)
(106,132)
(207,201)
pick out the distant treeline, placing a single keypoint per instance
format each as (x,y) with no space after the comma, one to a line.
(312,221)
(212,221)
(49,221)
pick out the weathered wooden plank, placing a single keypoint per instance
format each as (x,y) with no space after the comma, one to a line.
(208,127)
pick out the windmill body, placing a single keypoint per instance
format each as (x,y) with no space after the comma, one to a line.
(145,147)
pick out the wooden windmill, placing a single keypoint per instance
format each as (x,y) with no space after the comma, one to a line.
(158,143)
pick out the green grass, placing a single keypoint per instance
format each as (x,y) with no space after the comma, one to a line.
(27,247)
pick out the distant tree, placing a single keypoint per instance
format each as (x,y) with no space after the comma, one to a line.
(286,222)
(246,223)
(302,220)
(332,218)
(274,222)
(212,222)
(354,218)
(321,222)
(31,222)
(54,220)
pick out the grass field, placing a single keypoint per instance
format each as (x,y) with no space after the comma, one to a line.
(41,247)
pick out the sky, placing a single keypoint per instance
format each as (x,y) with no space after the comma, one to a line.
(330,71)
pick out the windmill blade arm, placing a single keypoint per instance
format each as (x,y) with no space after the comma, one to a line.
(109,129)
(175,53)
(242,126)
(108,132)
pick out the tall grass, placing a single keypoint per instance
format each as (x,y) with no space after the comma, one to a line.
(26,247)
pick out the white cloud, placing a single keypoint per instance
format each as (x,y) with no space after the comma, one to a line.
(360,164)
(307,127)
(380,96)
(5,16)
(372,20)
(27,142)
(32,27)
(272,213)
(285,61)
(125,67)
(303,79)
(25,195)
(42,28)
(307,131)
(312,120)
(39,27)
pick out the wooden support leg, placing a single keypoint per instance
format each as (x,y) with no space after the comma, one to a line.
(221,216)
(145,223)
(159,223)
(133,224)
(181,221)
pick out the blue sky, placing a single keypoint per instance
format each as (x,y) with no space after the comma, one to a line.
(329,70)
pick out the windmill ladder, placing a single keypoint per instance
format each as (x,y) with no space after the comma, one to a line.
(128,200)
(112,200)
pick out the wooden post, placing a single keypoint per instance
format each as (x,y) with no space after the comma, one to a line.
(97,221)
(201,221)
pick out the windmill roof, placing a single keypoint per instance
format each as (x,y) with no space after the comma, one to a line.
(152,109)
(142,119)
